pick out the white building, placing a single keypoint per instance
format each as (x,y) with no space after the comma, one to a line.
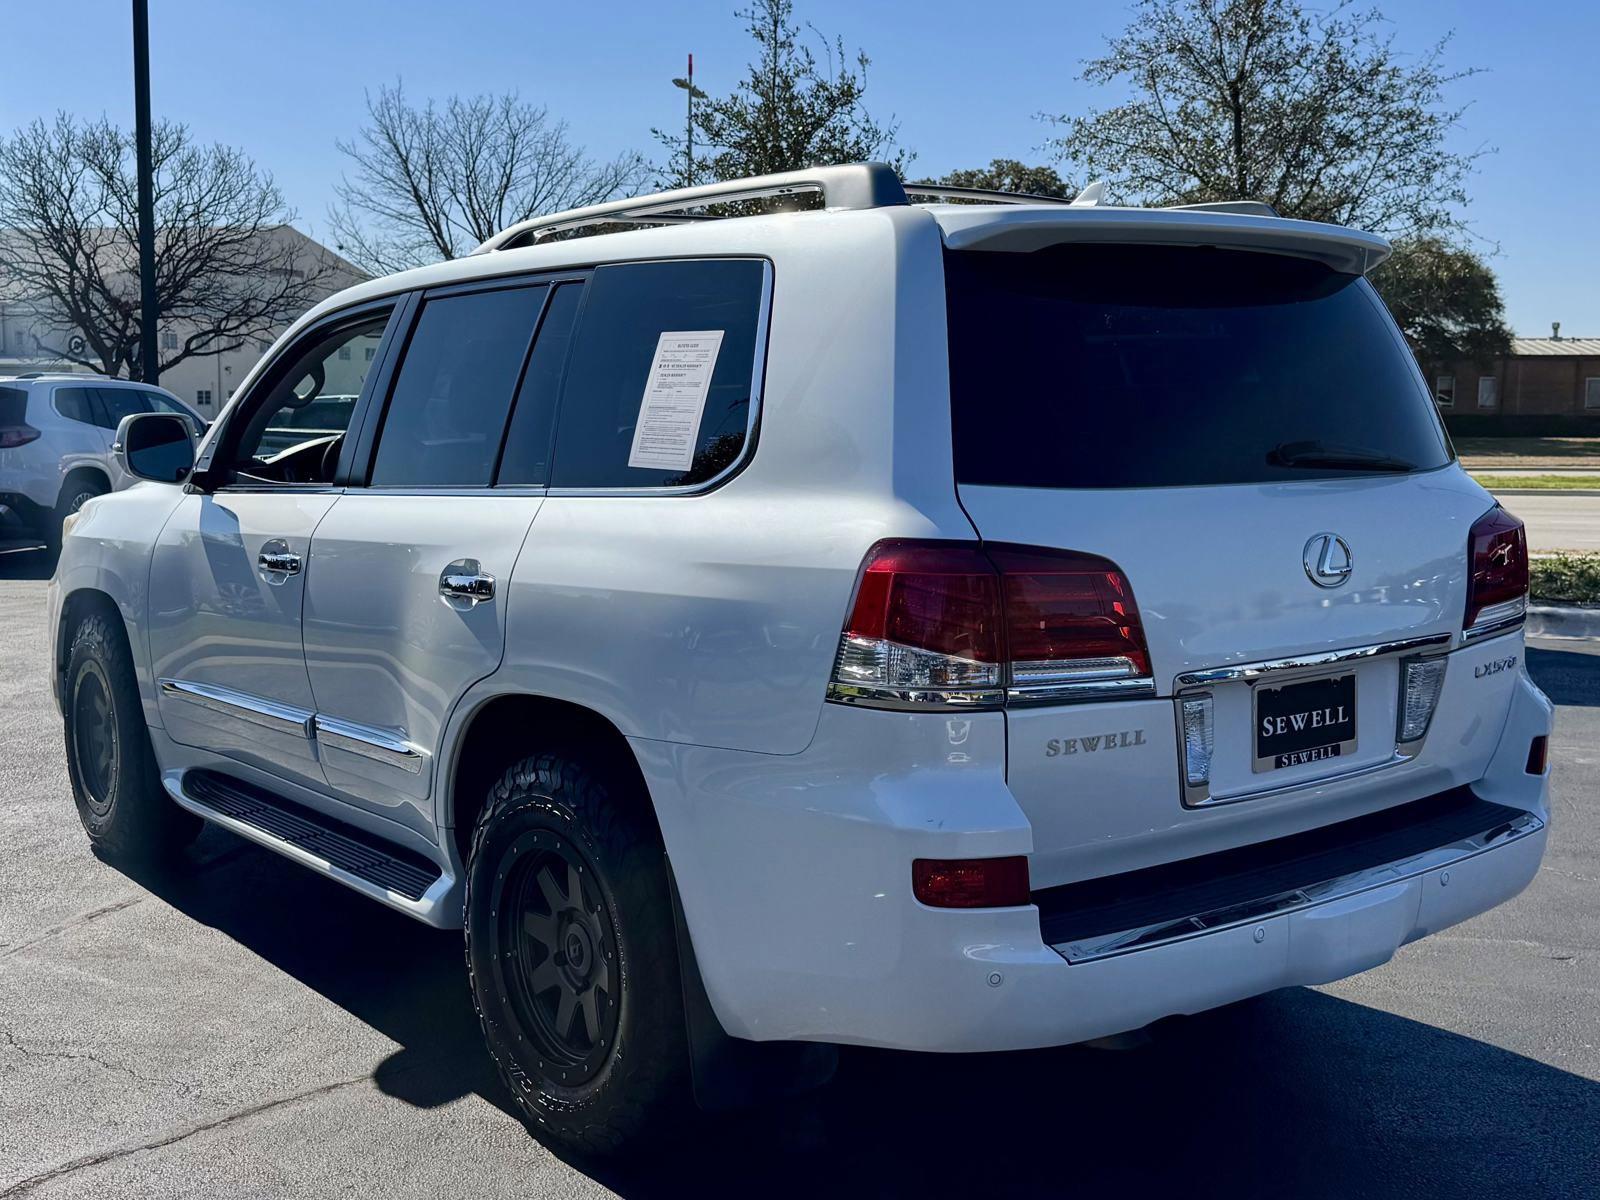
(28,327)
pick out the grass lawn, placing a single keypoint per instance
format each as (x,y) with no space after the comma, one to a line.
(1543,483)
(1478,453)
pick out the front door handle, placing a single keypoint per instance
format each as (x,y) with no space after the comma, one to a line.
(277,562)
(465,584)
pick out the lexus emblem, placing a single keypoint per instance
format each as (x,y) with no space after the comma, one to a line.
(1327,560)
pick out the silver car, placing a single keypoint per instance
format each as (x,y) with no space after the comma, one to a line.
(55,446)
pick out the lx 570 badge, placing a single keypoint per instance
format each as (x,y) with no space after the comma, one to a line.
(1494,666)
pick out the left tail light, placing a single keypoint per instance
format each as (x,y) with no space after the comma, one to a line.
(1497,583)
(958,625)
(12,436)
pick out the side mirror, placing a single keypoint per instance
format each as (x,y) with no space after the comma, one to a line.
(158,446)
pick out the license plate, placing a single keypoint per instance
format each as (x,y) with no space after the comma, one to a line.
(1305,722)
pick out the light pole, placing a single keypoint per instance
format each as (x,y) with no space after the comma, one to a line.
(148,314)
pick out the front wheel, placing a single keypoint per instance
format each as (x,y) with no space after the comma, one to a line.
(572,959)
(115,781)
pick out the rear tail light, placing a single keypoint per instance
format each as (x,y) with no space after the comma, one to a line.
(1497,583)
(970,882)
(953,624)
(12,436)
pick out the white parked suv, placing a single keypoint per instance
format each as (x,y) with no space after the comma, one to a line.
(55,446)
(956,626)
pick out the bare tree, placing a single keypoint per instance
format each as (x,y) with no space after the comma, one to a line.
(227,269)
(431,183)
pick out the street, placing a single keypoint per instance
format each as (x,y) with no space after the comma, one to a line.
(242,1027)
(1557,521)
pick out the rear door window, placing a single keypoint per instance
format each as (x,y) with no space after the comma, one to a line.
(116,403)
(447,413)
(1116,366)
(526,458)
(676,342)
(77,404)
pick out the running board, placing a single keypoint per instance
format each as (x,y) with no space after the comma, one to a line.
(385,872)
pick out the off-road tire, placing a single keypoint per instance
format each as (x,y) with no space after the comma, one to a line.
(550,808)
(116,784)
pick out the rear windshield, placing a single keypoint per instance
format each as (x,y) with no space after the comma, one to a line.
(1115,366)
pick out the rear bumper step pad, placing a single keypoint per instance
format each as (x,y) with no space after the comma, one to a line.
(340,845)
(1096,918)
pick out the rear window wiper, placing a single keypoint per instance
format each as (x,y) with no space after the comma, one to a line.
(1335,458)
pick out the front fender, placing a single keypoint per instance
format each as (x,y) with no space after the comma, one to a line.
(108,552)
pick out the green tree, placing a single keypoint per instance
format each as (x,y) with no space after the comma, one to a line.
(1316,113)
(1008,175)
(790,111)
(1319,115)
(1445,299)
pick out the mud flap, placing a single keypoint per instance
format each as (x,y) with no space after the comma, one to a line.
(729,1072)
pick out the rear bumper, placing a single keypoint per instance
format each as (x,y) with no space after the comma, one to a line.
(794,874)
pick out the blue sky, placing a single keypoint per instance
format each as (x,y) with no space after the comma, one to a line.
(285,79)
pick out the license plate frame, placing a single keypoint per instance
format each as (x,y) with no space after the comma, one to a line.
(1325,709)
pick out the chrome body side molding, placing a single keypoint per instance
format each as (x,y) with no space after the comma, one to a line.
(386,746)
(269,714)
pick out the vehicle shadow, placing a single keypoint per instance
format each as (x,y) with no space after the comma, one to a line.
(1566,676)
(27,564)
(1296,1094)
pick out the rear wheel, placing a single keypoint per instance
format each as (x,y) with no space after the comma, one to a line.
(572,958)
(74,495)
(115,781)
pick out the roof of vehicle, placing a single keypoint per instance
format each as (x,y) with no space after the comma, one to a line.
(716,219)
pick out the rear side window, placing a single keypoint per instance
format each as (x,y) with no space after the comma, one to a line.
(13,407)
(447,413)
(1107,366)
(116,403)
(526,458)
(661,373)
(76,404)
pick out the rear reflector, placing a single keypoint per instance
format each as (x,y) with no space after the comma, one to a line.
(970,882)
(956,624)
(1420,681)
(1538,754)
(1497,586)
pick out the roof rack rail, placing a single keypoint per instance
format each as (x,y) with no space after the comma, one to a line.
(853,186)
(988,195)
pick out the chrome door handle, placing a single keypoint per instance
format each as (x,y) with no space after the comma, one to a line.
(277,562)
(464,584)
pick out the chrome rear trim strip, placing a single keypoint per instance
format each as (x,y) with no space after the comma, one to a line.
(1303,662)
(1200,924)
(386,746)
(269,714)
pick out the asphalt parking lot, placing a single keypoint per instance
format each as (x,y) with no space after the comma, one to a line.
(241,1027)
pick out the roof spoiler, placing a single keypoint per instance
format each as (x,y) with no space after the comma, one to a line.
(1350,251)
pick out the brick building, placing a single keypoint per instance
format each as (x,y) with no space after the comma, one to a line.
(1546,385)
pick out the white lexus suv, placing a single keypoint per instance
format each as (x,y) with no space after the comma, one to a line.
(949,626)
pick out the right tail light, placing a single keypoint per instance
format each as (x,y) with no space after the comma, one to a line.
(1497,581)
(959,625)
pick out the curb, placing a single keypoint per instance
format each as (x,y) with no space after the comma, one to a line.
(1562,621)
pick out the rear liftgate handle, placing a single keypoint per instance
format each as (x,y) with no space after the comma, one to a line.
(465,584)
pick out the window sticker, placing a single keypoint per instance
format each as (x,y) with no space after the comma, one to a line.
(674,400)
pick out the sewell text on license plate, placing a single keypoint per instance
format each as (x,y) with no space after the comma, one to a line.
(1305,722)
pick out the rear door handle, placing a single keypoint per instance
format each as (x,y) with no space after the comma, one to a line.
(465,584)
(277,562)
